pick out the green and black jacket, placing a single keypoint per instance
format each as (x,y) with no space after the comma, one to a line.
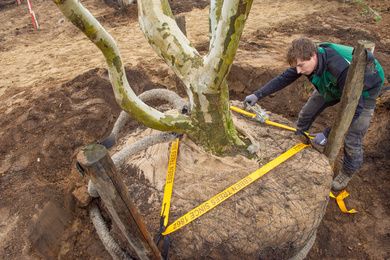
(330,75)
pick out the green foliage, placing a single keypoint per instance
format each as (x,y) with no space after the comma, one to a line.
(368,11)
(364,12)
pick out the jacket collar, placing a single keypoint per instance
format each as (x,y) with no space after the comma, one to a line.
(321,66)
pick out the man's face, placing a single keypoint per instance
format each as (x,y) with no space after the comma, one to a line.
(306,67)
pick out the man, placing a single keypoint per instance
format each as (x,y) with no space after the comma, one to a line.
(326,66)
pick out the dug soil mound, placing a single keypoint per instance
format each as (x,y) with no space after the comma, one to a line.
(272,218)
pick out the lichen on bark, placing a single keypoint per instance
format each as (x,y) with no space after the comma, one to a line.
(204,77)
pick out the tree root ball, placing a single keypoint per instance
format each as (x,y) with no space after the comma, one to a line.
(272,218)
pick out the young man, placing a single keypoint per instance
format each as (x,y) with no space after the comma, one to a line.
(326,66)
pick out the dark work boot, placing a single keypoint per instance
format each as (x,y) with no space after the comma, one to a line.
(341,180)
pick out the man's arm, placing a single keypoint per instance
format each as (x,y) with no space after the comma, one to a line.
(278,83)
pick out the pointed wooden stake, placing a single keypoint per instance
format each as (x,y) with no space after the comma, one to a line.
(352,91)
(97,163)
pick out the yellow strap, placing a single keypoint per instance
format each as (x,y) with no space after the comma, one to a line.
(239,110)
(280,125)
(211,203)
(341,203)
(266,121)
(169,182)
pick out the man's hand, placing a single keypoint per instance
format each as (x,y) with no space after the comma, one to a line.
(320,139)
(251,100)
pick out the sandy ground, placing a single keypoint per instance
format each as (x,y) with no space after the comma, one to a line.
(55,99)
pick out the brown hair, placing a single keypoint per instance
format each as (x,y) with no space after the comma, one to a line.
(301,48)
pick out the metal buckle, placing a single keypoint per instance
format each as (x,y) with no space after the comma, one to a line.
(260,114)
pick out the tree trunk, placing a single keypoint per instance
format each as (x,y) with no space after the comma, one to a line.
(209,122)
(211,115)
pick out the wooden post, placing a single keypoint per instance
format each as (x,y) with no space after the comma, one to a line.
(352,91)
(181,22)
(97,163)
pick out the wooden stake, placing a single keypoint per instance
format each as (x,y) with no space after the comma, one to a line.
(352,91)
(97,163)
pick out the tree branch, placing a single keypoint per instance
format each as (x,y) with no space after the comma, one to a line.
(124,95)
(224,43)
(214,17)
(166,38)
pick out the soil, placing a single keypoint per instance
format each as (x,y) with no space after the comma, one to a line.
(56,98)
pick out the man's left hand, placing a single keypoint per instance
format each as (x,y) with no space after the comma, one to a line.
(251,100)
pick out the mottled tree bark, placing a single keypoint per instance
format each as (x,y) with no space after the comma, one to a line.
(209,122)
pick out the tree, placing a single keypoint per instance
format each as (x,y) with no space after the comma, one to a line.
(278,216)
(209,122)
